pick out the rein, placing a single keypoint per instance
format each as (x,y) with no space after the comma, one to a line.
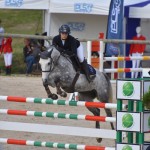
(51,63)
(66,57)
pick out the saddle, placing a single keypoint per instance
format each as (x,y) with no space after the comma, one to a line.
(91,69)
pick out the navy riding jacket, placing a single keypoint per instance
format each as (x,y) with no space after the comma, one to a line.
(70,46)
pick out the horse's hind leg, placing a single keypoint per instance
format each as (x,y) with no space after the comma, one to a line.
(96,112)
(89,96)
(109,114)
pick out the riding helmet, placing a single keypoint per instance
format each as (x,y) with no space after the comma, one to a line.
(64,29)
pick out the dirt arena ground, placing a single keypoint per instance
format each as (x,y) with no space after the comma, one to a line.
(32,87)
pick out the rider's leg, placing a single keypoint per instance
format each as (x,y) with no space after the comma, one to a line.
(86,71)
(80,54)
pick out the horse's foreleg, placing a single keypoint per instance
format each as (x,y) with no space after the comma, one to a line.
(59,91)
(96,112)
(109,114)
(49,93)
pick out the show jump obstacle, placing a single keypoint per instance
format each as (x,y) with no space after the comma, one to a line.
(134,121)
(56,129)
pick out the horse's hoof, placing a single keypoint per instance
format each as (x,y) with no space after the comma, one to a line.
(53,96)
(63,94)
(99,140)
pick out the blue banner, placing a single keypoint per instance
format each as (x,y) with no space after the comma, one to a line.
(115,27)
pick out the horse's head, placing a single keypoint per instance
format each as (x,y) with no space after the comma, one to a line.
(48,60)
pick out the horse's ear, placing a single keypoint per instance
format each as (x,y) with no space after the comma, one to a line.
(50,52)
(55,55)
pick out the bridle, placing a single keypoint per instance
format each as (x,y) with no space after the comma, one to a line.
(51,63)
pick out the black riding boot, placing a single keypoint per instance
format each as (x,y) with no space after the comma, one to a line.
(6,70)
(86,71)
(9,70)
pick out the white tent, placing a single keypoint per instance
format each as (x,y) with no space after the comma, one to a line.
(25,4)
(86,17)
(139,12)
(98,7)
(93,7)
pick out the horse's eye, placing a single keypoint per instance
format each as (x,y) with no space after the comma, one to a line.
(49,63)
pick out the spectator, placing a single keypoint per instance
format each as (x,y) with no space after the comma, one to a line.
(42,41)
(95,54)
(29,58)
(6,48)
(1,32)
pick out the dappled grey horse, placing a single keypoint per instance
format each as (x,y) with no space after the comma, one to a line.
(57,70)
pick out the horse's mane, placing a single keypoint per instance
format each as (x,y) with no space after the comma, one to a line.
(70,56)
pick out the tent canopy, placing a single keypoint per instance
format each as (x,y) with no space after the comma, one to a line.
(25,4)
(86,6)
(80,7)
(138,10)
(95,7)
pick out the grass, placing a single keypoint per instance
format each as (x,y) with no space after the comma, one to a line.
(20,22)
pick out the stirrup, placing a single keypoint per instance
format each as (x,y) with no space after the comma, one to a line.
(92,76)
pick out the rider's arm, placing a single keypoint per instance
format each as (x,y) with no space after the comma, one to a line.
(55,41)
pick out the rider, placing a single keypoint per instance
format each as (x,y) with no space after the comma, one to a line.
(68,44)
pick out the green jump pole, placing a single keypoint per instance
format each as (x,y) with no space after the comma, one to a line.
(139,136)
(130,109)
(119,133)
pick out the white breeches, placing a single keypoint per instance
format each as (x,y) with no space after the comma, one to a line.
(135,64)
(80,53)
(8,59)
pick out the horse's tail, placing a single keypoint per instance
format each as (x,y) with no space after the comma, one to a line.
(110,100)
